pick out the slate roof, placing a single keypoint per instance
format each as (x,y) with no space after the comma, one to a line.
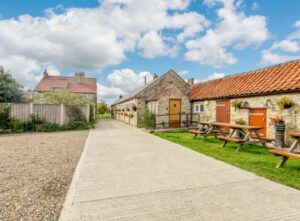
(275,79)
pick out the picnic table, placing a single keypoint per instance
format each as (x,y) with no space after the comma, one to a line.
(207,129)
(291,151)
(242,134)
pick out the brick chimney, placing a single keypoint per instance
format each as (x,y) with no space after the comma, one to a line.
(155,76)
(79,77)
(191,82)
(45,73)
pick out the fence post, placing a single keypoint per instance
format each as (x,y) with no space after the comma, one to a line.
(31,108)
(88,113)
(62,114)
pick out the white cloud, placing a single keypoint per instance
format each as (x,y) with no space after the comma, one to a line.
(94,38)
(213,76)
(284,50)
(235,30)
(122,82)
(183,72)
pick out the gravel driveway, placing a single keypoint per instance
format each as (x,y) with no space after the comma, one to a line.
(35,172)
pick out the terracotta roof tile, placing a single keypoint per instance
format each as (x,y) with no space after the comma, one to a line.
(279,78)
(89,85)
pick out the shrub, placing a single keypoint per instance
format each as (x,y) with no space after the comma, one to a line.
(17,126)
(35,123)
(77,125)
(240,121)
(92,113)
(147,119)
(4,118)
(50,127)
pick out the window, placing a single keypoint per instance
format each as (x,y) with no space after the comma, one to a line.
(201,107)
(90,96)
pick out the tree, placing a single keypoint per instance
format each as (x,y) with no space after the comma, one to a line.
(61,97)
(10,90)
(102,108)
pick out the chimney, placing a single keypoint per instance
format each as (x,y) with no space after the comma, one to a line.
(79,77)
(145,79)
(191,82)
(45,73)
(155,76)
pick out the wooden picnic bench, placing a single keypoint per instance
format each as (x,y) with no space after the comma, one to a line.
(290,153)
(245,135)
(207,129)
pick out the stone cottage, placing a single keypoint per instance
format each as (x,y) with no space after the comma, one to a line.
(165,96)
(253,97)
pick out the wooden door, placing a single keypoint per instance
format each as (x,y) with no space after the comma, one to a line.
(174,113)
(223,112)
(258,117)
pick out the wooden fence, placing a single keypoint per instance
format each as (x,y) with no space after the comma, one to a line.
(52,113)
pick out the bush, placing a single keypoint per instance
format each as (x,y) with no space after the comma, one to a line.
(18,126)
(35,123)
(74,113)
(147,119)
(4,118)
(50,127)
(77,125)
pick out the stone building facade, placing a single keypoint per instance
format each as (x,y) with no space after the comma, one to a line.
(134,104)
(258,92)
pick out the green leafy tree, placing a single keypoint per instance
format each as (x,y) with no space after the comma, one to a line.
(102,108)
(10,90)
(60,97)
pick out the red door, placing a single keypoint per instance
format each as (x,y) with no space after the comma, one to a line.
(223,112)
(257,117)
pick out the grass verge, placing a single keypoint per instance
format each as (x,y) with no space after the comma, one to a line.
(252,158)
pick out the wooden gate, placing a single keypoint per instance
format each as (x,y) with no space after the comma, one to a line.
(174,113)
(223,112)
(257,117)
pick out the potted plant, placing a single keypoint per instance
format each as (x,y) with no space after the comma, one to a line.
(279,124)
(285,103)
(237,104)
(240,121)
(131,115)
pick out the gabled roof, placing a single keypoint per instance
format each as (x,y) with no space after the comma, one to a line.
(275,79)
(47,83)
(160,94)
(139,90)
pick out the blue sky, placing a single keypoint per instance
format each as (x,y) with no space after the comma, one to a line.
(120,41)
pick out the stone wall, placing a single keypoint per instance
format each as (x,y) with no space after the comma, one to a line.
(209,113)
(291,116)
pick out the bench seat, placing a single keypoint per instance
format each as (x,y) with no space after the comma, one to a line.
(197,132)
(285,156)
(231,139)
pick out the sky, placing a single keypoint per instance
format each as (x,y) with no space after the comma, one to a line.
(121,41)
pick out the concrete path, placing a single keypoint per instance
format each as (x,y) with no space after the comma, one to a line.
(127,174)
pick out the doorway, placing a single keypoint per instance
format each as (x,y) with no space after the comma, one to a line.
(223,113)
(257,117)
(174,113)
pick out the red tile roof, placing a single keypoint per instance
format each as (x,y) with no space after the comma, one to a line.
(89,85)
(275,79)
(160,94)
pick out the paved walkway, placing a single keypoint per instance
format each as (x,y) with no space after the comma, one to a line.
(127,174)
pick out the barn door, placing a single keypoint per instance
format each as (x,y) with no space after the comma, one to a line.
(223,112)
(174,113)
(257,117)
